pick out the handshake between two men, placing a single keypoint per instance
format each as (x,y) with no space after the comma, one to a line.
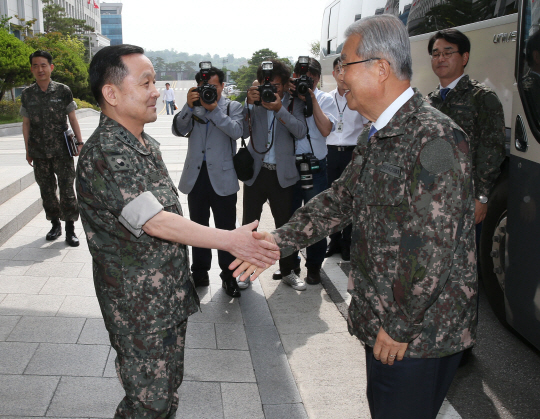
(246,267)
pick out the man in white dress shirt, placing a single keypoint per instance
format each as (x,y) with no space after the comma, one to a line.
(168,98)
(341,143)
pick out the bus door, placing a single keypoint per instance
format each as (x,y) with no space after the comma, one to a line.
(522,281)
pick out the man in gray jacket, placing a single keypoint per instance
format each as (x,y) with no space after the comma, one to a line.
(209,178)
(274,128)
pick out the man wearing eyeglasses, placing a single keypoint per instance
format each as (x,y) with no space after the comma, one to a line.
(408,194)
(474,107)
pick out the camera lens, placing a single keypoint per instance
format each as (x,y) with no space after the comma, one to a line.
(302,89)
(268,95)
(306,177)
(208,94)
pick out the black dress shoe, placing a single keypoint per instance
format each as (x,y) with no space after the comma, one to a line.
(346,253)
(313,276)
(332,249)
(231,287)
(201,279)
(56,230)
(277,274)
(71,238)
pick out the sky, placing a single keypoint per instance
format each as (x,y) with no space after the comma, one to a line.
(238,27)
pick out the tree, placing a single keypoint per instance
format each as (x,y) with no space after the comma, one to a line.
(14,64)
(245,75)
(315,49)
(55,20)
(159,64)
(68,59)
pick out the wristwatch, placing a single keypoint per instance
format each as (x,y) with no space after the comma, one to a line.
(79,143)
(483,199)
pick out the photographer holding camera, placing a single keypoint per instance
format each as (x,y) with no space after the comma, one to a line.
(273,131)
(311,151)
(212,123)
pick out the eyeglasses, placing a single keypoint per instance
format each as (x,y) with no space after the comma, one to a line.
(341,66)
(445,54)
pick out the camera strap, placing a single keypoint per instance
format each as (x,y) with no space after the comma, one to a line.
(306,111)
(251,133)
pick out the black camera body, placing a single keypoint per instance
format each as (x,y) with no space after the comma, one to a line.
(207,92)
(302,83)
(267,90)
(307,164)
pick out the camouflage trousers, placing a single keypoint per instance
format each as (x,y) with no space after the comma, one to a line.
(150,369)
(44,171)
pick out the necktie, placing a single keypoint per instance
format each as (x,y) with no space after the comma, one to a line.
(372,131)
(444,92)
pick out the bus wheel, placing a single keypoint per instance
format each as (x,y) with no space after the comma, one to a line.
(493,250)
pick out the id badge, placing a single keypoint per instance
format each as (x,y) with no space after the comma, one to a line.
(339,127)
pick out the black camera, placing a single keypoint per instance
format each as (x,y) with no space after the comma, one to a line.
(302,83)
(207,92)
(267,90)
(307,164)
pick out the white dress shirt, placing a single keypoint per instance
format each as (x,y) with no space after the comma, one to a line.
(389,112)
(168,95)
(349,123)
(329,108)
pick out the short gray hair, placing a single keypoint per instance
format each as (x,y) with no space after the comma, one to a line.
(384,36)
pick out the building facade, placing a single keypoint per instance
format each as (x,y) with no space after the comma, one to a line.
(24,9)
(111,22)
(88,10)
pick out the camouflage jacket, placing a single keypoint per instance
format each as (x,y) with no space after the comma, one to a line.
(143,284)
(478,111)
(47,112)
(408,193)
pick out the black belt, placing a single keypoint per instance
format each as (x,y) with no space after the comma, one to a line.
(342,147)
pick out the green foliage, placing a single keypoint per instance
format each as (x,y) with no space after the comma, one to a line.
(82,104)
(245,75)
(55,20)
(69,65)
(315,49)
(14,65)
(4,22)
(10,108)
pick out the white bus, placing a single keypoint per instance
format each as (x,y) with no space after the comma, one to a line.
(499,31)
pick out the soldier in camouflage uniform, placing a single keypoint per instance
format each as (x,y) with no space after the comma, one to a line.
(134,226)
(474,107)
(44,106)
(408,193)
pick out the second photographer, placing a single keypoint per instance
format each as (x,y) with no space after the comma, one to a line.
(213,123)
(311,150)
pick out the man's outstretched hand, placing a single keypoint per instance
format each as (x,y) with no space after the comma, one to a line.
(247,267)
(252,248)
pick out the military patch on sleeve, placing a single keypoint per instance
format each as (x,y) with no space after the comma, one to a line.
(462,144)
(437,156)
(359,160)
(118,163)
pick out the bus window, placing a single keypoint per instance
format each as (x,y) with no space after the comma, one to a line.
(333,30)
(432,15)
(398,8)
(529,65)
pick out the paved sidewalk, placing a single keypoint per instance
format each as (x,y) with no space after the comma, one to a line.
(274,353)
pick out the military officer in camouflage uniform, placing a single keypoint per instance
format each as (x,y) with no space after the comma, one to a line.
(408,193)
(473,106)
(44,106)
(137,236)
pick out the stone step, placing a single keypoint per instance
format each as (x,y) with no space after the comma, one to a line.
(17,211)
(14,179)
